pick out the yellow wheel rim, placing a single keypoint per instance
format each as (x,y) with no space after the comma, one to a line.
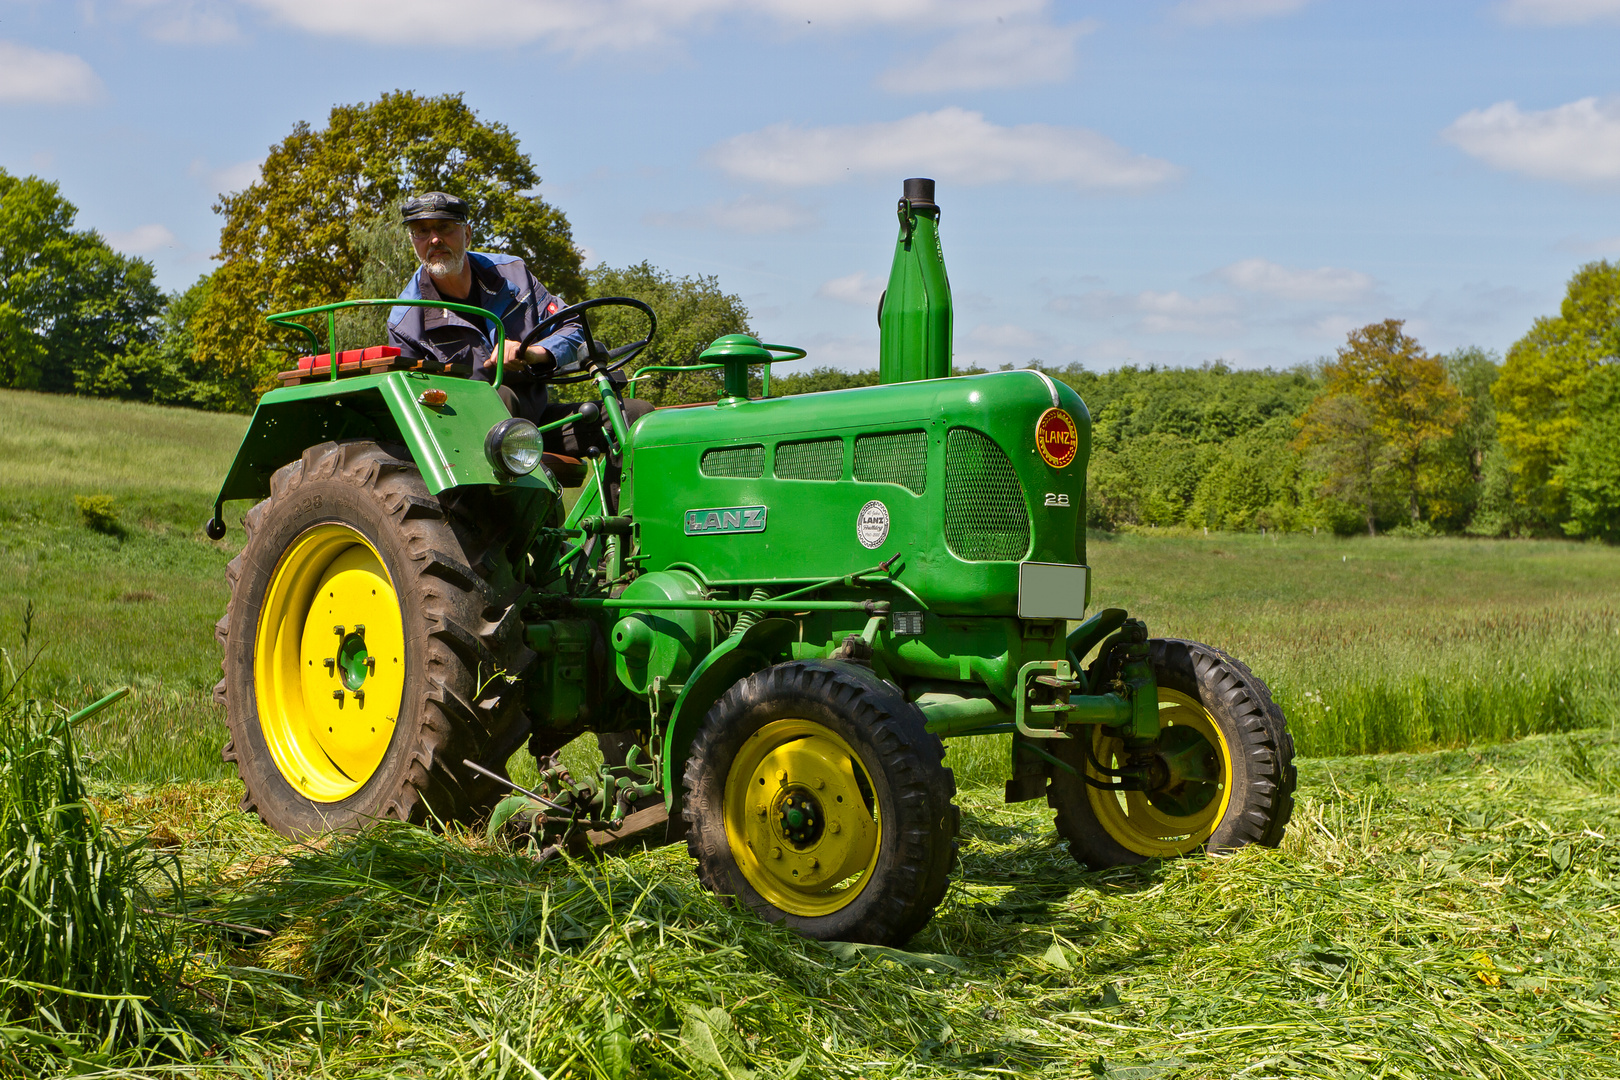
(329,662)
(1131,817)
(802,818)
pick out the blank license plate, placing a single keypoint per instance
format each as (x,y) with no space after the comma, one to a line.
(1052,590)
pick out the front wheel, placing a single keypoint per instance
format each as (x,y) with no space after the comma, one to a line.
(1221,773)
(816,796)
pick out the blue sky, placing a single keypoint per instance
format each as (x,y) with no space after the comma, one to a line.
(1154,182)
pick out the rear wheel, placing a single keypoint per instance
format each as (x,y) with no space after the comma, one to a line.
(364,649)
(1222,771)
(815,796)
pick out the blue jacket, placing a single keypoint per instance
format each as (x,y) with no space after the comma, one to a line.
(506,288)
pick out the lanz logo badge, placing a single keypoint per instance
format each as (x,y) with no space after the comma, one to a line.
(725,519)
(1057,438)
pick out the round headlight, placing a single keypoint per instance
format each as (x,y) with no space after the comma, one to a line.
(513,447)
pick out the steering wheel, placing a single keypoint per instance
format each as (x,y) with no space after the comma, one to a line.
(593,357)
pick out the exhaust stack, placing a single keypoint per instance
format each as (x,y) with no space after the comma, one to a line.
(914,316)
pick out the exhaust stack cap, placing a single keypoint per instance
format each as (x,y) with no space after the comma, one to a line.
(919,192)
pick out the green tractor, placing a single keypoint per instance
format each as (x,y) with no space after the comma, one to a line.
(772,612)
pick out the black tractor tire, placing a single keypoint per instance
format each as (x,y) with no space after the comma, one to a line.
(1258,769)
(461,641)
(840,716)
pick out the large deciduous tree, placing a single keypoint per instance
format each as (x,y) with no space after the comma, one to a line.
(1387,413)
(71,308)
(288,240)
(1542,400)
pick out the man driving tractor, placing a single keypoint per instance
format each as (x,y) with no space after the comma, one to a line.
(502,284)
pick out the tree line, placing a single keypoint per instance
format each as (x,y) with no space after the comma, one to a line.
(1382,437)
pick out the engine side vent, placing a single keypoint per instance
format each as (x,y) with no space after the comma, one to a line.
(745,462)
(985,516)
(898,457)
(817,459)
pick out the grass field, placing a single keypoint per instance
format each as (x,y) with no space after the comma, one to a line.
(1454,912)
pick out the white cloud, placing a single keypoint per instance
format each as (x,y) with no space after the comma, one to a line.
(1016,53)
(615,24)
(1327,284)
(951,144)
(143,239)
(38,76)
(1577,143)
(1205,12)
(858,288)
(1559,12)
(990,345)
(1151,312)
(226,179)
(1603,246)
(189,22)
(748,214)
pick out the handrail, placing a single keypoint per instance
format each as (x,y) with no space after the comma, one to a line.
(283,319)
(649,370)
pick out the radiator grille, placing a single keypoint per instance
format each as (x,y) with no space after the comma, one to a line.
(985,516)
(818,459)
(899,457)
(747,462)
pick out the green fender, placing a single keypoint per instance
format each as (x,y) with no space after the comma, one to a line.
(446,441)
(761,645)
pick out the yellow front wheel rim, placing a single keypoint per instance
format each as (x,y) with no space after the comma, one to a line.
(329,663)
(802,818)
(1131,817)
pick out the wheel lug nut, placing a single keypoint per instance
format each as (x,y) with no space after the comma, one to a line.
(776,853)
(781,774)
(833,826)
(815,864)
(820,783)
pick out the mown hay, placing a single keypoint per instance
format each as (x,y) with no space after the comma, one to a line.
(1443,914)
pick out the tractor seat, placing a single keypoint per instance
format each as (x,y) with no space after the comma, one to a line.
(569,471)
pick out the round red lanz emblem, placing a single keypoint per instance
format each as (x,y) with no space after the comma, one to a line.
(1057,438)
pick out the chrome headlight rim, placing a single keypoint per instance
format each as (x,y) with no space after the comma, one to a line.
(513,460)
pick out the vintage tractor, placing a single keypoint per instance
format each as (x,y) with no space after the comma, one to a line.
(772,611)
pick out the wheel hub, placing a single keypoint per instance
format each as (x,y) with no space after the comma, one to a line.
(352,659)
(801,817)
(1184,771)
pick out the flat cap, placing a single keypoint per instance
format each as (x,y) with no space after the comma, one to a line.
(434,205)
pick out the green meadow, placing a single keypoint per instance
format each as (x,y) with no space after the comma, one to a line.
(1446,901)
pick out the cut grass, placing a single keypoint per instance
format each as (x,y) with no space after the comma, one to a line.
(1453,913)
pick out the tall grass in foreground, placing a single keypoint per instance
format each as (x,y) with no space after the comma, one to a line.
(77,969)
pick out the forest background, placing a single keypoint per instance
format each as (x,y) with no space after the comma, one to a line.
(1382,436)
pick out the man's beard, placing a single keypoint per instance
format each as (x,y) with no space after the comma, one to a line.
(445,265)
